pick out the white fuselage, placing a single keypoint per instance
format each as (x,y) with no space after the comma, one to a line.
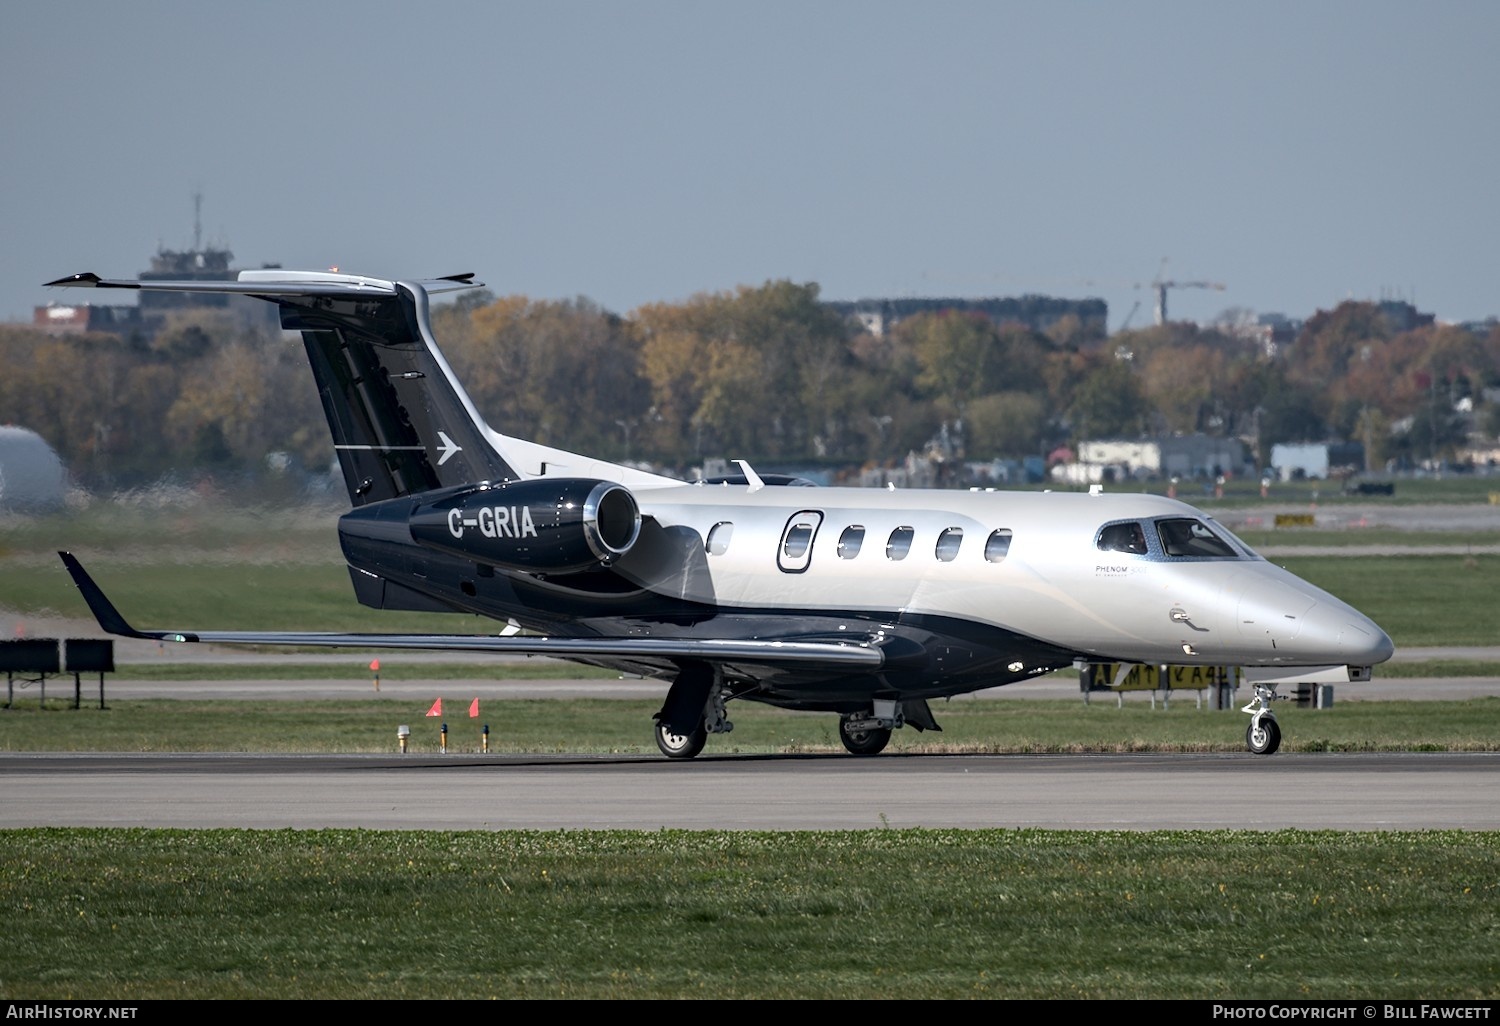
(1052,582)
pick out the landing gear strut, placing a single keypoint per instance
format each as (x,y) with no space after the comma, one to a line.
(694,709)
(1263,736)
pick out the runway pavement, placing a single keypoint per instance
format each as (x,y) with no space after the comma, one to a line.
(1408,791)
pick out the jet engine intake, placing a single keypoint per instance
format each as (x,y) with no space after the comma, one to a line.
(545,525)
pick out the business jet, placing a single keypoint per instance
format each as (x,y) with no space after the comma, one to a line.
(870,604)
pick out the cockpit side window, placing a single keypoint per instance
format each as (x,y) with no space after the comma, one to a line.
(1126,537)
(1186,537)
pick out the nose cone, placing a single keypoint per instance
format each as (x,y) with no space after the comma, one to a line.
(1287,621)
(1350,636)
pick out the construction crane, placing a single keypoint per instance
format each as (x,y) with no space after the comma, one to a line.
(1161,284)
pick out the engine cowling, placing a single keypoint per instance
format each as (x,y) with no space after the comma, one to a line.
(546,525)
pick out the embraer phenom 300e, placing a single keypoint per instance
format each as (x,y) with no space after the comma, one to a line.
(865,603)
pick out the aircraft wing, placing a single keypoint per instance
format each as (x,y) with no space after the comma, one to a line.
(808,654)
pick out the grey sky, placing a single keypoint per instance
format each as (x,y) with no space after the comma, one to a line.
(1300,153)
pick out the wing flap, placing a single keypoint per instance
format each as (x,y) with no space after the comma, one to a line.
(716,650)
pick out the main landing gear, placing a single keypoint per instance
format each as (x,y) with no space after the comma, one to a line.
(694,709)
(859,737)
(1263,736)
(680,746)
(868,732)
(697,698)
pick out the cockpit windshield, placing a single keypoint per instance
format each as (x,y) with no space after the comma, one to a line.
(1235,540)
(1173,538)
(1184,536)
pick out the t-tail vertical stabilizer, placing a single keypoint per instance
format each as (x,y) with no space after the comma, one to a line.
(401,422)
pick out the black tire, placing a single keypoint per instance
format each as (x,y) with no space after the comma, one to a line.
(863,742)
(1266,740)
(680,746)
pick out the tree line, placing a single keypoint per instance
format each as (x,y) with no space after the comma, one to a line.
(765,373)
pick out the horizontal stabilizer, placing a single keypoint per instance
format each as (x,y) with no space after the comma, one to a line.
(274,282)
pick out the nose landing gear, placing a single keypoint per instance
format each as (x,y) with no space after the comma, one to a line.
(1263,736)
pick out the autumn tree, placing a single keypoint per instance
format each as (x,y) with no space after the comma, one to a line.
(564,373)
(757,371)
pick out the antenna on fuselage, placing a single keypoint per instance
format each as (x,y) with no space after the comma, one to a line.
(756,484)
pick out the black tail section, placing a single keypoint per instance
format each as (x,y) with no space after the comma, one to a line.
(401,423)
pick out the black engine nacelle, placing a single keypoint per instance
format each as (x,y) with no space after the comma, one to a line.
(546,525)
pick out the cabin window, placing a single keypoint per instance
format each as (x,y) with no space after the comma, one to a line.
(997,546)
(1188,537)
(1126,537)
(850,541)
(797,541)
(718,538)
(899,543)
(948,543)
(796,550)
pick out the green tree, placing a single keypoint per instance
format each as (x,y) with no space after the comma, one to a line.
(958,355)
(1008,424)
(1288,413)
(1110,402)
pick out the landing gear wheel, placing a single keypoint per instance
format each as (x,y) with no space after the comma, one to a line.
(863,742)
(680,746)
(1263,736)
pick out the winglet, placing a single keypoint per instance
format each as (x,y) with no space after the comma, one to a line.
(103,609)
(87,279)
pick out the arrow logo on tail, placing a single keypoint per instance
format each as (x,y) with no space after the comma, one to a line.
(449,448)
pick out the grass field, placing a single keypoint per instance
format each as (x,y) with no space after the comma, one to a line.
(902,914)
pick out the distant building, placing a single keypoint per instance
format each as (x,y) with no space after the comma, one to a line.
(1272,333)
(73,319)
(153,309)
(878,316)
(1403,316)
(207,264)
(1180,456)
(1316,460)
